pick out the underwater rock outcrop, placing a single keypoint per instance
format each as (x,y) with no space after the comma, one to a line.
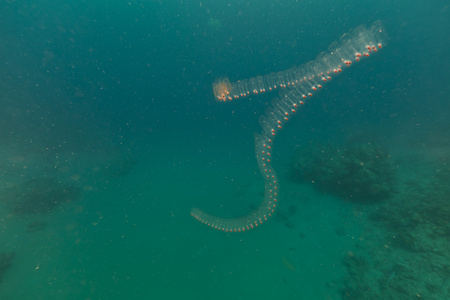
(35,226)
(5,262)
(407,255)
(360,172)
(421,224)
(119,167)
(39,195)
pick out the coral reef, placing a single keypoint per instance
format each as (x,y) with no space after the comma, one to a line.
(360,172)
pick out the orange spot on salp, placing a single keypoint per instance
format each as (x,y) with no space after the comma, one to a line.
(221,88)
(379,46)
(301,102)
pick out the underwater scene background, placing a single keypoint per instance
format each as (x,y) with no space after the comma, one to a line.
(110,135)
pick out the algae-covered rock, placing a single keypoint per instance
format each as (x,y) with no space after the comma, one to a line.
(361,171)
(5,262)
(39,195)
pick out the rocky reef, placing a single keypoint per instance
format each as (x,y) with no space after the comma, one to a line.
(408,253)
(39,195)
(361,171)
(35,226)
(5,262)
